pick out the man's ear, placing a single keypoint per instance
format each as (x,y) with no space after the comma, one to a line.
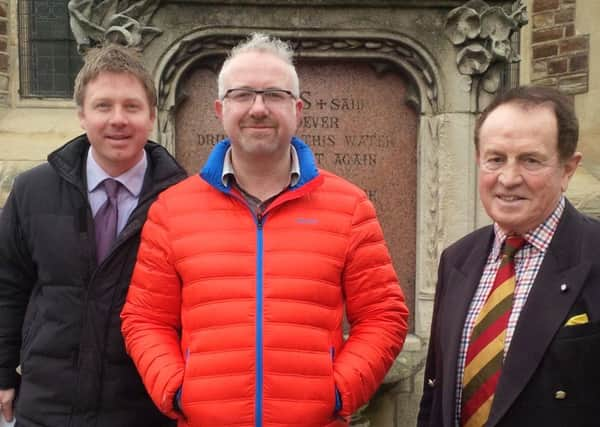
(219,109)
(569,168)
(81,117)
(299,107)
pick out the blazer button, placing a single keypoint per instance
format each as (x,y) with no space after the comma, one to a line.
(560,395)
(431,382)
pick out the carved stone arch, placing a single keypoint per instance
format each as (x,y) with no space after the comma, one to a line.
(384,50)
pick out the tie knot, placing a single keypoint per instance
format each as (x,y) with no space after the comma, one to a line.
(111,186)
(512,244)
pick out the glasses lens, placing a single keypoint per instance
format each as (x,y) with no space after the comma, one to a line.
(276,96)
(269,96)
(241,96)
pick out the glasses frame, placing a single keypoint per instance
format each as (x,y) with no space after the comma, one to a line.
(257,92)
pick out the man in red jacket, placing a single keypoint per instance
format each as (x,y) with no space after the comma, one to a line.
(234,314)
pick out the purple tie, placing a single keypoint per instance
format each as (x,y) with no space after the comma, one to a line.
(106,219)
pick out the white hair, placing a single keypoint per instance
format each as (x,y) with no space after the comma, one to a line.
(263,43)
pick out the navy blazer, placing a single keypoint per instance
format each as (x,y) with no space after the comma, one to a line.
(551,374)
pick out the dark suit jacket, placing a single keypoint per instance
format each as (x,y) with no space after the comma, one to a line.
(551,374)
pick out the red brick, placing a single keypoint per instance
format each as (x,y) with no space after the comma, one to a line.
(539,70)
(543,51)
(543,20)
(574,44)
(579,63)
(3,10)
(2,28)
(569,30)
(542,5)
(539,36)
(565,16)
(2,45)
(559,66)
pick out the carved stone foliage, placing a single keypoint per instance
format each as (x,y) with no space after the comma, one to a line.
(118,21)
(482,35)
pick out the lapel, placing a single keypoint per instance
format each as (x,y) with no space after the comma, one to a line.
(460,284)
(544,312)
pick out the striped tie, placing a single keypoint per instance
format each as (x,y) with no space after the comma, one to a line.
(485,353)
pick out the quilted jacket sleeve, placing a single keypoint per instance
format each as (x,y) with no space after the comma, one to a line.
(375,309)
(16,281)
(151,315)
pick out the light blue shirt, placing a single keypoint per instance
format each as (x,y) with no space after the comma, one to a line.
(129,194)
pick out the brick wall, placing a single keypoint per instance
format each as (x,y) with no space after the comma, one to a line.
(560,57)
(3,52)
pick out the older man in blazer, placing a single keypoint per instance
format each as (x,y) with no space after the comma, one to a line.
(549,349)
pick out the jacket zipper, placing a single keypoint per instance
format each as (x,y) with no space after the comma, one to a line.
(259,321)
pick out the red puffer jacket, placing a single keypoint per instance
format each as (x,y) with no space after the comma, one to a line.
(245,313)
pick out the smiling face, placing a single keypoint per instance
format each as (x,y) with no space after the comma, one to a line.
(118,119)
(259,130)
(521,176)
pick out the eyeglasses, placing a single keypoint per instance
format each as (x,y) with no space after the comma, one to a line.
(247,96)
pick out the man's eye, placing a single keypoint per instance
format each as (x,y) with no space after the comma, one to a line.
(493,163)
(531,163)
(242,95)
(275,95)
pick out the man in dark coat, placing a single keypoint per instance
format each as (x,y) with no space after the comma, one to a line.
(61,289)
(546,370)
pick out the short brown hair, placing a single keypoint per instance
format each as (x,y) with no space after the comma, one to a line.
(113,58)
(533,96)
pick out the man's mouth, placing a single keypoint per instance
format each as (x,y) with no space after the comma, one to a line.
(259,125)
(509,198)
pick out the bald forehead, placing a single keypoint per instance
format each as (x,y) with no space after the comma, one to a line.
(257,65)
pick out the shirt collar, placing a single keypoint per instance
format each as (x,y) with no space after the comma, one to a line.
(132,179)
(228,170)
(540,237)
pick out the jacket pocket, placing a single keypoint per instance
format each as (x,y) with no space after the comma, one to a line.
(28,333)
(181,392)
(579,331)
(336,393)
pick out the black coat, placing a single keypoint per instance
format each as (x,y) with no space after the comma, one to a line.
(59,310)
(551,374)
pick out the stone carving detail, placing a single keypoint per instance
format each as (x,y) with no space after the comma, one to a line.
(118,21)
(482,33)
(433,221)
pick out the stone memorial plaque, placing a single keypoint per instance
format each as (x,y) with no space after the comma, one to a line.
(359,127)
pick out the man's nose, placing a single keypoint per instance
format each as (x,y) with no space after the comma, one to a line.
(510,174)
(118,115)
(259,107)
